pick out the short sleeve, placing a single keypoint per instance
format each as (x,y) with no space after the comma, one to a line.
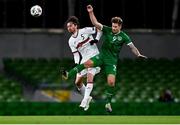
(89,30)
(72,47)
(106,29)
(127,39)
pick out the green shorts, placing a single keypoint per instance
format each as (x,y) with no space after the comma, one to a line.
(108,65)
(97,60)
(110,69)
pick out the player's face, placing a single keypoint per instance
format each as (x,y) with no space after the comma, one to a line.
(116,28)
(71,27)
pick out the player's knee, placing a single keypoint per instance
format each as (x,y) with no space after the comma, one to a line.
(111,82)
(78,84)
(88,64)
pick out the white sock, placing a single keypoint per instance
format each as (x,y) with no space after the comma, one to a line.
(82,89)
(88,90)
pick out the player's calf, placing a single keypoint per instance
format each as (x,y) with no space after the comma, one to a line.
(85,103)
(88,102)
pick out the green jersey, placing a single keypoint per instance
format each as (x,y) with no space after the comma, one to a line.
(112,44)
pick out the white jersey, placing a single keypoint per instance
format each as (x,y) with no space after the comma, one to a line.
(81,44)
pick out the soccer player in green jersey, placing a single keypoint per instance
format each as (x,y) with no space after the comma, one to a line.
(113,40)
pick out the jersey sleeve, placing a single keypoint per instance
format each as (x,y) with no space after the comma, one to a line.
(72,47)
(98,35)
(89,30)
(127,39)
(75,52)
(76,57)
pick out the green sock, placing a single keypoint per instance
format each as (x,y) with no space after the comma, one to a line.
(110,90)
(75,70)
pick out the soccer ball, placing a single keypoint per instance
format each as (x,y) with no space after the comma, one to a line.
(36,11)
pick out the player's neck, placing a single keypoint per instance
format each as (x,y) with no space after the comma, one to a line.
(75,33)
(117,32)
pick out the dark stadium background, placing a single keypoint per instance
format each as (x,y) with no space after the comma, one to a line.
(136,14)
(34,49)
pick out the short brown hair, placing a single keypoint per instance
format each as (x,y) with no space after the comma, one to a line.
(117,20)
(74,20)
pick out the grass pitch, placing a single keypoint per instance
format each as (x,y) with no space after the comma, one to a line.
(89,119)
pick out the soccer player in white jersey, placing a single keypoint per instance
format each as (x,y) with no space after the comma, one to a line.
(83,47)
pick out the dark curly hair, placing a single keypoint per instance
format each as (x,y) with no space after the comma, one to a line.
(74,20)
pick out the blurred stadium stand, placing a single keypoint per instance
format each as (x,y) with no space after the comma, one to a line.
(33,50)
(10,90)
(137,80)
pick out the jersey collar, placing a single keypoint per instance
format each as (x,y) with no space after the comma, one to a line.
(117,33)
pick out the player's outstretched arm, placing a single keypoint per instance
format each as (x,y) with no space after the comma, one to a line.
(136,51)
(99,34)
(93,18)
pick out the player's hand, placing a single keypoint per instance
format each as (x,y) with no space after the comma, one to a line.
(142,57)
(93,41)
(89,8)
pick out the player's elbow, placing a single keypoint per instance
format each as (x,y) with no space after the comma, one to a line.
(95,23)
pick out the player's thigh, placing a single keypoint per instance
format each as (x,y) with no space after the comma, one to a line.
(97,60)
(94,70)
(91,72)
(110,69)
(83,73)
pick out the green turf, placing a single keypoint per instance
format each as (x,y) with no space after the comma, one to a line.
(90,119)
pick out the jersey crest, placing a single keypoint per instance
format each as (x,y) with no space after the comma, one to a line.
(119,38)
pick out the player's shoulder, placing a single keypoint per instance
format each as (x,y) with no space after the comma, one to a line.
(106,28)
(71,39)
(88,28)
(82,30)
(123,33)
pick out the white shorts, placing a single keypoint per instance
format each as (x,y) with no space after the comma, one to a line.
(93,71)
